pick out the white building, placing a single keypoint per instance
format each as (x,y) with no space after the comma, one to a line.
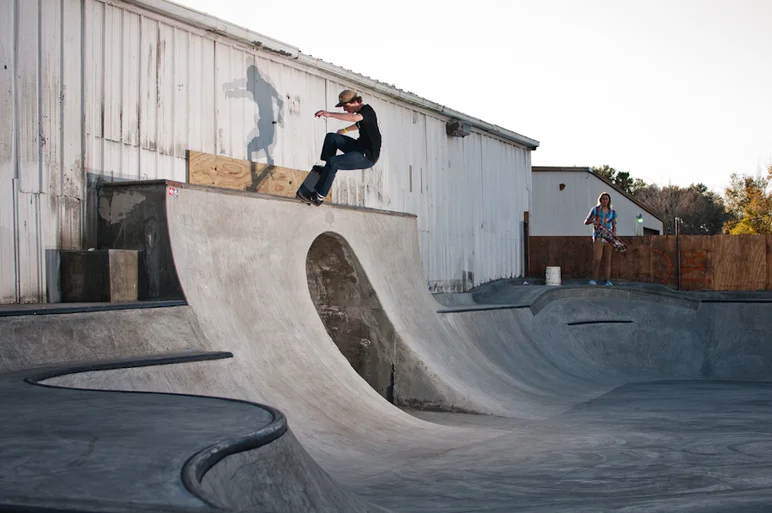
(119,90)
(563,196)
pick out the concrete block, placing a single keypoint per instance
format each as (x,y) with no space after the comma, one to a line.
(104,275)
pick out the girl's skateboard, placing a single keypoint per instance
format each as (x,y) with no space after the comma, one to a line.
(612,239)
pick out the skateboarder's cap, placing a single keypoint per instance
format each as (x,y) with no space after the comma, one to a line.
(346,96)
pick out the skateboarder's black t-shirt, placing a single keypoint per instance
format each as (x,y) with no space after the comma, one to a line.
(369,134)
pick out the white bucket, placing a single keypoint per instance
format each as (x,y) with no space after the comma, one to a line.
(553,276)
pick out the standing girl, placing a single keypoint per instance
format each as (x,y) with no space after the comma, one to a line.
(602,214)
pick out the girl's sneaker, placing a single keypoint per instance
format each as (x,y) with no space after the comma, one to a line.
(608,284)
(593,282)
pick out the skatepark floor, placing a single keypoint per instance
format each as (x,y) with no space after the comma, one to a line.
(658,446)
(627,399)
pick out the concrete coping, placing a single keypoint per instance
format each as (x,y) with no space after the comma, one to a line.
(249,194)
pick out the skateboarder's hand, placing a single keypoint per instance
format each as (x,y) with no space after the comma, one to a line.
(321,114)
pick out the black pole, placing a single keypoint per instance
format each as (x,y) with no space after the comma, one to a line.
(678,253)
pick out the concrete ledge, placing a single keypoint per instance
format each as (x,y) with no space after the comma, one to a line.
(70,308)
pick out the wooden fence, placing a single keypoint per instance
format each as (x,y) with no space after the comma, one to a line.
(695,262)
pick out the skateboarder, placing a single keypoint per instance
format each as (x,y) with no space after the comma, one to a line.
(361,153)
(602,214)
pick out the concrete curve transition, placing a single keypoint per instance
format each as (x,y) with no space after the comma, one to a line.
(589,393)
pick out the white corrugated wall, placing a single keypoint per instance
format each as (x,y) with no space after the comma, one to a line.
(107,90)
(562,212)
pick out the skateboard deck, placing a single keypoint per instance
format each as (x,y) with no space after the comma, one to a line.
(615,241)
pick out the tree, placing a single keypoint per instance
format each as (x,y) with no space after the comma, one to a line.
(701,211)
(621,179)
(749,203)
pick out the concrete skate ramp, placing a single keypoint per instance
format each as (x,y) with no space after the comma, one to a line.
(243,262)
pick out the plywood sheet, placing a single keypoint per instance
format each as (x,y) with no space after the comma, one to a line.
(768,285)
(572,254)
(663,260)
(243,175)
(737,262)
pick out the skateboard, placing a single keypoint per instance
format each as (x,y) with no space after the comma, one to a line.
(307,187)
(613,239)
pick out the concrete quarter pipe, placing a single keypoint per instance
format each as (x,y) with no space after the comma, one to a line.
(612,400)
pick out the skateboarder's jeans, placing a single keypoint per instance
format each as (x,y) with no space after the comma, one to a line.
(352,158)
(601,251)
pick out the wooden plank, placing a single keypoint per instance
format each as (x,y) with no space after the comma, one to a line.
(635,263)
(695,256)
(572,254)
(243,175)
(768,240)
(737,262)
(663,261)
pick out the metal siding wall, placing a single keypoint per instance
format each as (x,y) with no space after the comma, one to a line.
(104,90)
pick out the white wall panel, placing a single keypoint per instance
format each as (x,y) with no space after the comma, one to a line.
(93,81)
(148,86)
(30,273)
(7,153)
(72,188)
(28,113)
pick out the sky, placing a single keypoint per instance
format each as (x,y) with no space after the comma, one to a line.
(674,92)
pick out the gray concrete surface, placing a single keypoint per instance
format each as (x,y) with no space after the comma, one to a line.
(621,399)
(92,450)
(60,445)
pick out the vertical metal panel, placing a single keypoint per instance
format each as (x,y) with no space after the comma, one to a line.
(7,244)
(166,80)
(131,93)
(201,92)
(181,121)
(112,74)
(71,125)
(148,87)
(7,153)
(29,245)
(29,150)
(93,77)
(27,38)
(50,87)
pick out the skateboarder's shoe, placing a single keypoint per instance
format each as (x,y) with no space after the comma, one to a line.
(305,197)
(608,283)
(317,199)
(593,282)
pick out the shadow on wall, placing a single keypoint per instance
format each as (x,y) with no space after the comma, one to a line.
(351,312)
(262,138)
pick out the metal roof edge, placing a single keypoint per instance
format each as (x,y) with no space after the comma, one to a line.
(554,169)
(215,25)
